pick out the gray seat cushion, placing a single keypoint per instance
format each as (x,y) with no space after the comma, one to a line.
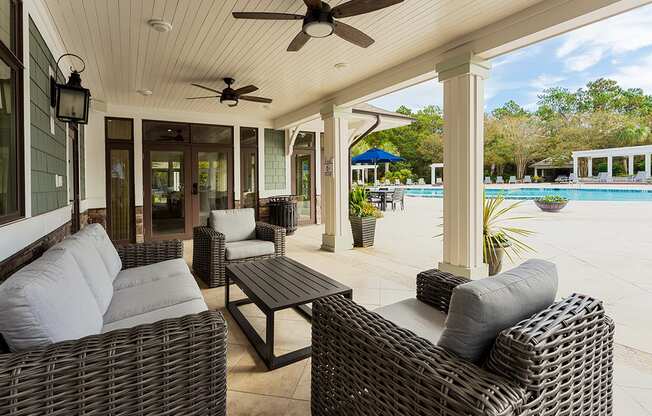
(96,235)
(47,301)
(248,248)
(147,297)
(419,317)
(235,224)
(92,267)
(481,309)
(137,276)
(175,311)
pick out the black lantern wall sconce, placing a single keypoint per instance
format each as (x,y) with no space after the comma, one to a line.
(71,100)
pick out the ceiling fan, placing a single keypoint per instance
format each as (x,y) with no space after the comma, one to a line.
(319,20)
(230,97)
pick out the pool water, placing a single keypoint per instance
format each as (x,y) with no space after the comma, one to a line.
(533,193)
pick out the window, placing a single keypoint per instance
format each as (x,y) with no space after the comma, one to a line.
(121,209)
(11,103)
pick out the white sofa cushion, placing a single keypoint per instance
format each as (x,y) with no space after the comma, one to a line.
(92,267)
(47,301)
(235,224)
(419,317)
(148,297)
(97,235)
(174,311)
(137,276)
(248,248)
(481,309)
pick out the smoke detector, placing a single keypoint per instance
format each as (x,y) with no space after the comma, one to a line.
(145,93)
(160,25)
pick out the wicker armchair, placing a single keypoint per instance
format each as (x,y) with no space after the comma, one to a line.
(209,251)
(174,366)
(558,362)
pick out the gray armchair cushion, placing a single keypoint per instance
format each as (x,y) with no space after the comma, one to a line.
(419,317)
(47,301)
(481,309)
(96,235)
(237,250)
(235,224)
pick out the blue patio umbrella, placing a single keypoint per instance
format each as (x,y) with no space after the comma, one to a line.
(375,156)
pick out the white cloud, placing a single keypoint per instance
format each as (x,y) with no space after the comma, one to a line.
(415,97)
(544,81)
(585,47)
(636,75)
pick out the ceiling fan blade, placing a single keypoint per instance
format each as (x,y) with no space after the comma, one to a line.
(256,99)
(298,42)
(353,35)
(209,89)
(200,98)
(267,16)
(246,90)
(356,7)
(313,4)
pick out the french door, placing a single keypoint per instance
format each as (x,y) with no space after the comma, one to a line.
(183,184)
(303,185)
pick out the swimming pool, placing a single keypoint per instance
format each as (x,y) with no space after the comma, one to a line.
(573,194)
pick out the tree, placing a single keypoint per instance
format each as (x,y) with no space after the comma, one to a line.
(523,135)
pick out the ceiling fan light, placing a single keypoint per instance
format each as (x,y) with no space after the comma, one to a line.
(318,29)
(230,102)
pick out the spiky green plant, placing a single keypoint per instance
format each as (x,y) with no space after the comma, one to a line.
(498,234)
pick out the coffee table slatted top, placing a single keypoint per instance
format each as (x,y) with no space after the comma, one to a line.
(281,282)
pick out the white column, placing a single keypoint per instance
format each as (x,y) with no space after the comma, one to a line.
(575,167)
(536,172)
(463,79)
(610,166)
(648,172)
(335,181)
(236,165)
(589,166)
(630,165)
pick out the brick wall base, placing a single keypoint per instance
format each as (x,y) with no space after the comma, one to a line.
(33,251)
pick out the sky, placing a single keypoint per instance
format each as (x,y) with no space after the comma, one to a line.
(618,48)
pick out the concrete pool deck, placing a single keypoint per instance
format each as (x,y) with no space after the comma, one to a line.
(603,249)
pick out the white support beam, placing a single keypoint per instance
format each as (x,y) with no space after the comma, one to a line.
(610,166)
(236,165)
(589,163)
(648,171)
(576,170)
(463,79)
(290,139)
(630,165)
(335,180)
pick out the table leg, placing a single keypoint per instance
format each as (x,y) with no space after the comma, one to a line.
(269,339)
(227,283)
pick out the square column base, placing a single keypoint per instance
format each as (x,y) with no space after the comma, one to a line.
(468,272)
(334,243)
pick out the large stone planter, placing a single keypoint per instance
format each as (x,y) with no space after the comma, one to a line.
(364,230)
(550,206)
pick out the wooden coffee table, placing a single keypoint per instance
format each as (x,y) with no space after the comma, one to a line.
(273,285)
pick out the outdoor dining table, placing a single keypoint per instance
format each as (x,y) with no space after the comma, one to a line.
(383,194)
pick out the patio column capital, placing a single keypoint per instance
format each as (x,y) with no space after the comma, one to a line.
(332,111)
(464,64)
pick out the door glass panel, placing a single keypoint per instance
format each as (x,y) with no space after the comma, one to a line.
(119,129)
(248,178)
(202,133)
(303,186)
(166,132)
(213,186)
(168,193)
(120,195)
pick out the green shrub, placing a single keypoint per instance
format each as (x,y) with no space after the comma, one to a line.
(552,199)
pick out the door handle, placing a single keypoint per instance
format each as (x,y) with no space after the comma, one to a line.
(195,188)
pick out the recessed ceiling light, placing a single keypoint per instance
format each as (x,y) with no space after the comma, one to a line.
(160,25)
(341,65)
(145,93)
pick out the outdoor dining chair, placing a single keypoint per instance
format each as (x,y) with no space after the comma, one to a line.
(499,179)
(512,179)
(527,179)
(487,180)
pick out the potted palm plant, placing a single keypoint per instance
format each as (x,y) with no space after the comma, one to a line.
(362,215)
(499,238)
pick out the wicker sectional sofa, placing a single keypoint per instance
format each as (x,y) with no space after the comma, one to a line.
(142,342)
(559,361)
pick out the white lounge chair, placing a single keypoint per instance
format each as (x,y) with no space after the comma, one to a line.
(604,177)
(561,179)
(499,179)
(572,178)
(640,177)
(487,180)
(512,179)
(422,181)
(409,181)
(527,179)
(387,182)
(376,182)
(397,182)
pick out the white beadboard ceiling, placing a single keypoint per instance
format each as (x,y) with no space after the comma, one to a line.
(123,54)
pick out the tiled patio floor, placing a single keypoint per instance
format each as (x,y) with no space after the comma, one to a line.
(602,249)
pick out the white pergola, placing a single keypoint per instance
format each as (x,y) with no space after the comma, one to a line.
(628,152)
(433,172)
(361,172)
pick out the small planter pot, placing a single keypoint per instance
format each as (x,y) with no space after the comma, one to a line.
(364,230)
(495,262)
(550,206)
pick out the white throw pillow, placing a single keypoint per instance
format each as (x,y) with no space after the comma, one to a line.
(47,301)
(235,224)
(96,234)
(92,267)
